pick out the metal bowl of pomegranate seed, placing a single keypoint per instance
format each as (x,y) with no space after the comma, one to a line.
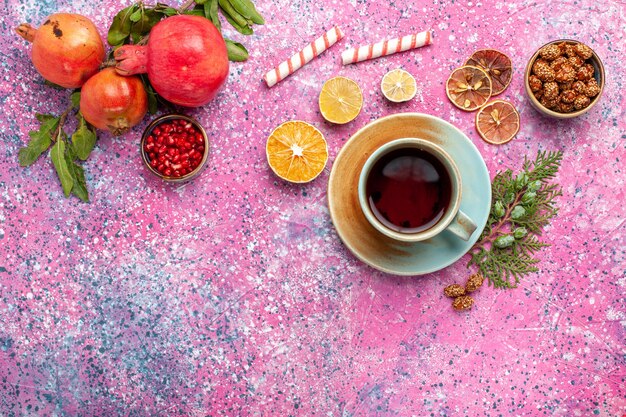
(175,147)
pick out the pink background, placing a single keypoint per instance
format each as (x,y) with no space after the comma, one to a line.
(233,295)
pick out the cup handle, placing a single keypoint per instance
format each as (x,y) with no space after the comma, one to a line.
(462,226)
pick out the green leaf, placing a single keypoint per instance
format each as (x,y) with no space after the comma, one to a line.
(211,12)
(195,11)
(48,122)
(84,139)
(153,99)
(148,20)
(38,144)
(234,18)
(136,15)
(244,30)
(236,51)
(75,99)
(60,164)
(201,1)
(79,189)
(40,140)
(120,28)
(246,9)
(169,11)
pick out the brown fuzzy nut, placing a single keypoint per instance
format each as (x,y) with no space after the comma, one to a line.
(566,74)
(464,302)
(562,47)
(565,86)
(568,96)
(585,72)
(535,83)
(550,52)
(593,89)
(550,104)
(538,94)
(569,50)
(565,107)
(576,61)
(583,51)
(580,87)
(551,90)
(556,64)
(454,290)
(474,282)
(581,102)
(542,70)
(539,63)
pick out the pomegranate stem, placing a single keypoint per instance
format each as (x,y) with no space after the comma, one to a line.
(62,120)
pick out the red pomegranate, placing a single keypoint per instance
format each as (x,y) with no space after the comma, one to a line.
(112,102)
(67,48)
(185,58)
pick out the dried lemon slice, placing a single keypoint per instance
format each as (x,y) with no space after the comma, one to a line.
(340,100)
(398,86)
(496,64)
(468,88)
(497,122)
(296,151)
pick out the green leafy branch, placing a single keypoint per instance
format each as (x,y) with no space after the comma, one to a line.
(64,150)
(133,24)
(522,206)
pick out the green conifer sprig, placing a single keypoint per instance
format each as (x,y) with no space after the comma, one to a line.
(521,207)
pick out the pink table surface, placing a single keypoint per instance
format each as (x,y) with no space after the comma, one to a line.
(234,296)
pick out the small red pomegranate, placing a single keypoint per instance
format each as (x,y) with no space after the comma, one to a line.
(185,58)
(113,102)
(67,48)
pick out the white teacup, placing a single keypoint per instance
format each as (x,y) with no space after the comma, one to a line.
(420,177)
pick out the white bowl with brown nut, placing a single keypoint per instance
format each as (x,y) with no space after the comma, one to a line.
(564,79)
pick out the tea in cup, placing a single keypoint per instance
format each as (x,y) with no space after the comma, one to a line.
(410,190)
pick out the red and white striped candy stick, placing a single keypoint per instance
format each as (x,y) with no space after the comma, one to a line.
(387,47)
(309,52)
